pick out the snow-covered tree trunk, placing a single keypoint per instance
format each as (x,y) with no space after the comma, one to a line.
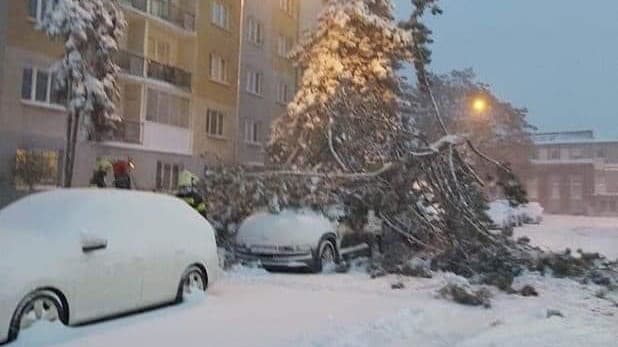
(90,30)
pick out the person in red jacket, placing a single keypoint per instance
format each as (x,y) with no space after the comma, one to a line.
(122,174)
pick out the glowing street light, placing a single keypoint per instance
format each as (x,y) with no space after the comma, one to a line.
(479,105)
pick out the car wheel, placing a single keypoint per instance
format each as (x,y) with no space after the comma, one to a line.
(326,256)
(193,281)
(40,306)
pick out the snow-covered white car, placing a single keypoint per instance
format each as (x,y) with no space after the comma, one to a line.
(292,239)
(81,255)
(531,213)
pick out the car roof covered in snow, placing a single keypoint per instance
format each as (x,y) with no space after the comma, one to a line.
(53,209)
(290,227)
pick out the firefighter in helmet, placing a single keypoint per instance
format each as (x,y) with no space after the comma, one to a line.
(189,192)
(99,177)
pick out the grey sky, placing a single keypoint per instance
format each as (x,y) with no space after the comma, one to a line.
(558,58)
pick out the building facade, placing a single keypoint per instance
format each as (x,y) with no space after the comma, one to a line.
(178,92)
(31,116)
(575,173)
(201,82)
(268,77)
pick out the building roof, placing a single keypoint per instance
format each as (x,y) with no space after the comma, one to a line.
(568,137)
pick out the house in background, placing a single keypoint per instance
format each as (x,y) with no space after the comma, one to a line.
(575,173)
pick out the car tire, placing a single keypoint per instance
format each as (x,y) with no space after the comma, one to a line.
(37,306)
(326,254)
(193,279)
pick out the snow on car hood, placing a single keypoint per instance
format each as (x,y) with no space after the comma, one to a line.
(288,228)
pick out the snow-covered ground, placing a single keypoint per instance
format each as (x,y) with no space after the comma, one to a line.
(250,307)
(588,233)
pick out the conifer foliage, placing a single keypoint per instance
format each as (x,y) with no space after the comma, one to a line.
(90,30)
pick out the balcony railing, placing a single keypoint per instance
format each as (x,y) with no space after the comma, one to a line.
(130,63)
(133,64)
(170,74)
(165,10)
(128,131)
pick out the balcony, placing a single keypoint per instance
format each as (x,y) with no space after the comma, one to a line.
(129,131)
(180,17)
(133,64)
(169,74)
(130,63)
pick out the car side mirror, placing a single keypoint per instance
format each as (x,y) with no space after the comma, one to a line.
(92,243)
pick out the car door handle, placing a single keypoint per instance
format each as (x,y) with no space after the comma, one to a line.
(92,245)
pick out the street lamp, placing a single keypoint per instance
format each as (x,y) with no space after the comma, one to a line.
(479,105)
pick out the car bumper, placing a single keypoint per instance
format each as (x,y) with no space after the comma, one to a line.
(6,313)
(297,260)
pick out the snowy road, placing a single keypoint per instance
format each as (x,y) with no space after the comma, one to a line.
(560,232)
(250,307)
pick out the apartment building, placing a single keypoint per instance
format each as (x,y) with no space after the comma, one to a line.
(309,13)
(268,78)
(178,91)
(31,115)
(201,82)
(575,173)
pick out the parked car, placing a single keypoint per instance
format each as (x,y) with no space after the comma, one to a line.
(77,256)
(294,239)
(531,213)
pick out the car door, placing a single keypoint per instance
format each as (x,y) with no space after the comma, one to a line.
(111,261)
(169,250)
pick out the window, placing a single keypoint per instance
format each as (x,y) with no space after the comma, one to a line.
(533,189)
(40,86)
(255,82)
(283,92)
(36,9)
(220,15)
(600,153)
(284,45)
(167,176)
(554,154)
(160,8)
(214,123)
(159,50)
(555,187)
(167,109)
(36,168)
(218,68)
(255,32)
(576,153)
(600,183)
(252,131)
(577,188)
(287,6)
